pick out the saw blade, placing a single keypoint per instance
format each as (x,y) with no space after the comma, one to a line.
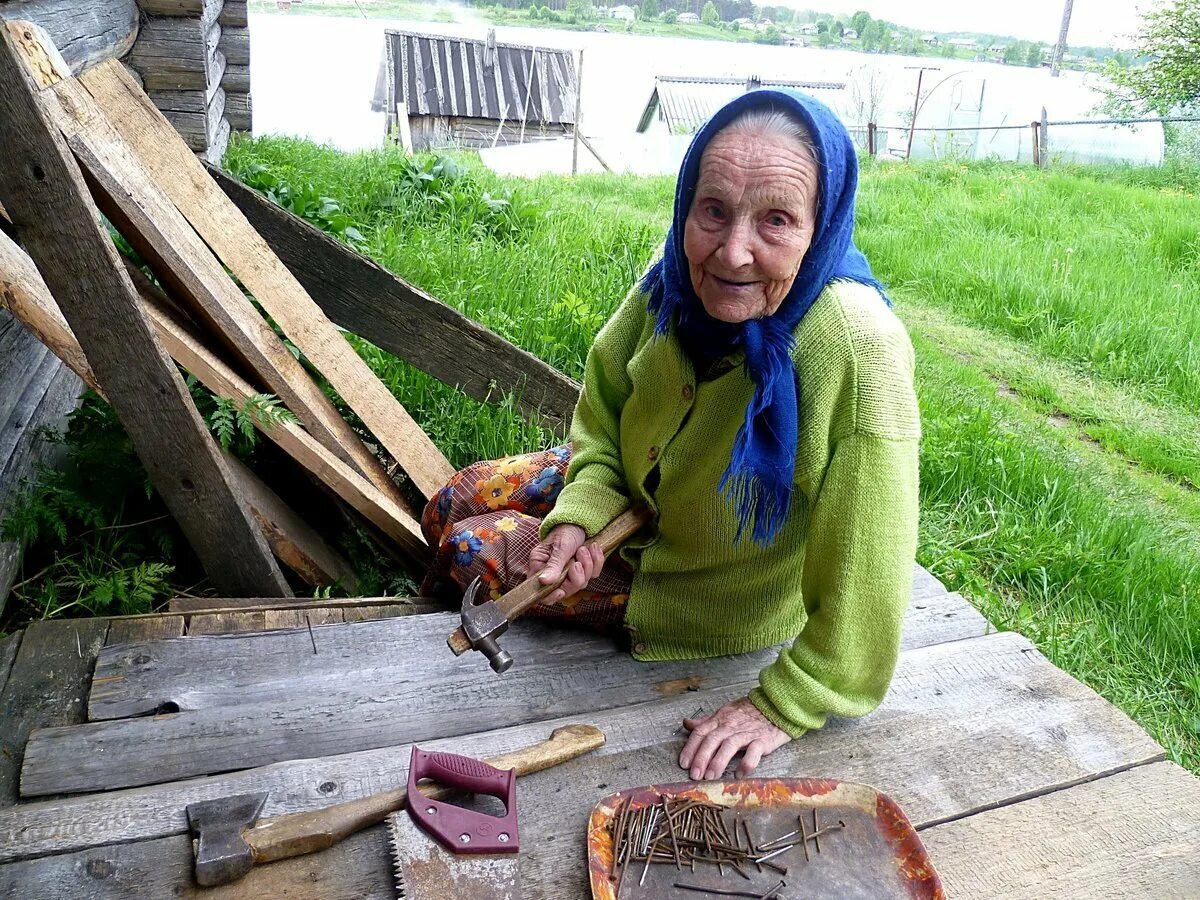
(427,871)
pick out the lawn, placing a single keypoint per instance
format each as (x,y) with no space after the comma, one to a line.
(1058,344)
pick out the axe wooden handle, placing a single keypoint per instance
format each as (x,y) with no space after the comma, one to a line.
(296,834)
(531,591)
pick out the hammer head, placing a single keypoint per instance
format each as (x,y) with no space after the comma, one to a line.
(222,854)
(483,623)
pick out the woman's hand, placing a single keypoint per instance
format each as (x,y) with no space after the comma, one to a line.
(564,550)
(716,739)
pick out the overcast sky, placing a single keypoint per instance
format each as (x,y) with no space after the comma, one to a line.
(1093,22)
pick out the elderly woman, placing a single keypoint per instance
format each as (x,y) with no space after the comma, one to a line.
(756,392)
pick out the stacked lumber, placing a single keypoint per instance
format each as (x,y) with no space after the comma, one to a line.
(77,148)
(182,55)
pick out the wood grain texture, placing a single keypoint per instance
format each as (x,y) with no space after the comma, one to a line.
(85,33)
(47,685)
(368,300)
(239,111)
(243,250)
(234,13)
(138,679)
(967,725)
(176,44)
(402,606)
(227,623)
(1132,834)
(44,193)
(235,44)
(235,79)
(127,631)
(9,644)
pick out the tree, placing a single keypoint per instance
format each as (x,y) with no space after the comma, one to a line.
(1169,39)
(948,51)
(860,21)
(1015,53)
(770,36)
(1033,57)
(824,39)
(650,9)
(670,16)
(885,37)
(580,11)
(710,16)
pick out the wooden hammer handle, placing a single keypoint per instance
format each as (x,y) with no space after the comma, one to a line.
(296,834)
(531,591)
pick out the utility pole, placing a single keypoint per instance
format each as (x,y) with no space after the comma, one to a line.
(1061,47)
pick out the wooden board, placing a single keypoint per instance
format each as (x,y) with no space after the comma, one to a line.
(85,33)
(966,725)
(239,111)
(235,44)
(176,44)
(402,606)
(190,8)
(234,13)
(159,628)
(235,79)
(240,247)
(200,129)
(9,644)
(44,192)
(368,300)
(47,685)
(227,623)
(1132,834)
(138,679)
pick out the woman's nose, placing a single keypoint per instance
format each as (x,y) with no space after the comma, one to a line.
(736,251)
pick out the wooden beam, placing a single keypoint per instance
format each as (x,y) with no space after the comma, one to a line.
(234,14)
(135,202)
(239,111)
(44,192)
(402,319)
(85,33)
(241,248)
(235,44)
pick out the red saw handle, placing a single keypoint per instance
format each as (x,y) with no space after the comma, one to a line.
(462,830)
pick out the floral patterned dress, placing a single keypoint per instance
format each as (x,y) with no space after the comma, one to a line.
(485,523)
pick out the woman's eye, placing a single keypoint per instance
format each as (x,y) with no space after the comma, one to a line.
(714,211)
(775,220)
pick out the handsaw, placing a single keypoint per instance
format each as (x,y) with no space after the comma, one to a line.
(443,851)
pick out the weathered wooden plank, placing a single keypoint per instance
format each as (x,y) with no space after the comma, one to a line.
(44,192)
(220,143)
(240,112)
(235,44)
(168,77)
(139,679)
(924,584)
(189,8)
(241,248)
(302,619)
(293,541)
(202,126)
(402,319)
(47,686)
(1132,834)
(174,43)
(9,644)
(370,606)
(227,623)
(235,79)
(85,33)
(967,725)
(159,628)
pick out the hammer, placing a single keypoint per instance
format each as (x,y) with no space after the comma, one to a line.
(228,840)
(483,623)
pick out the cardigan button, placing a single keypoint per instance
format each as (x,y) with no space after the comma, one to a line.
(640,647)
(653,454)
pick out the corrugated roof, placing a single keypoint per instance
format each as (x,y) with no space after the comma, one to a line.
(437,75)
(687,103)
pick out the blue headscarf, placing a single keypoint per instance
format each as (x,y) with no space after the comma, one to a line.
(758,480)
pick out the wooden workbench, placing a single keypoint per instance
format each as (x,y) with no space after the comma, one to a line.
(1022,781)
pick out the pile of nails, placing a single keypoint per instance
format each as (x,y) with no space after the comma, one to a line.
(688,832)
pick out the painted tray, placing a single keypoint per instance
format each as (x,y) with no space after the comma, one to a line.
(870,850)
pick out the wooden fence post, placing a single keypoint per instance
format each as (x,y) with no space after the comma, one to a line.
(871,138)
(44,192)
(1044,142)
(578,104)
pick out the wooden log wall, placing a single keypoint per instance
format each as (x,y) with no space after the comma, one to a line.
(85,31)
(194,59)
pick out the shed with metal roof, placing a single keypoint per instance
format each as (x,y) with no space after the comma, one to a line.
(681,105)
(443,91)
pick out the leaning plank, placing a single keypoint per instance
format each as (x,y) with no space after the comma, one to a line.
(45,194)
(85,33)
(48,685)
(131,198)
(1132,834)
(138,679)
(966,726)
(241,248)
(402,319)
(296,543)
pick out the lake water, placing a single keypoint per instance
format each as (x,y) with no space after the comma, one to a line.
(315,76)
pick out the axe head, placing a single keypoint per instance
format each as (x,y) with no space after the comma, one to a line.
(221,852)
(483,623)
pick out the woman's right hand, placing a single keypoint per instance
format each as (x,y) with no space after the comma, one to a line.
(564,550)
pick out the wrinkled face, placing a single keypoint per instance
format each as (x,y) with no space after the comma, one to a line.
(750,224)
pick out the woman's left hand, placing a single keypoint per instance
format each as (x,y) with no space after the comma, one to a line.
(716,739)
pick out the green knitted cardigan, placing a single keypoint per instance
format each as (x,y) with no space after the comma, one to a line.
(834,585)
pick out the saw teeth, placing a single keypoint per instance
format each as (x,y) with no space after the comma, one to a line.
(397,868)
